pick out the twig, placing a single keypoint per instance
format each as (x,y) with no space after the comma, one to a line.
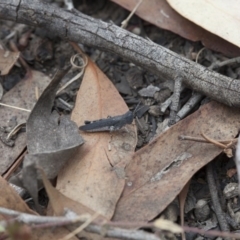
(80,228)
(72,218)
(196,139)
(189,105)
(227,148)
(192,102)
(18,108)
(68,105)
(226,145)
(215,200)
(198,54)
(15,165)
(224,63)
(111,229)
(15,130)
(237,161)
(166,104)
(212,232)
(36,219)
(125,22)
(175,100)
(76,27)
(216,143)
(82,68)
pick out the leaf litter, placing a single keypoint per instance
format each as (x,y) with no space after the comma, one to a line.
(151,172)
(139,165)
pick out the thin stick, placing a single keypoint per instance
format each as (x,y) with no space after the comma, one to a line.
(214,141)
(36,93)
(125,22)
(226,62)
(175,100)
(196,139)
(80,228)
(18,108)
(198,54)
(215,199)
(15,165)
(15,130)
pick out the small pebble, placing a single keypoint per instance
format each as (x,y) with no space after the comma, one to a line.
(155,111)
(202,210)
(136,30)
(149,91)
(231,190)
(237,217)
(162,95)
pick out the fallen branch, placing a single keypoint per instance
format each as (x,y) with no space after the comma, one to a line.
(110,229)
(77,27)
(74,220)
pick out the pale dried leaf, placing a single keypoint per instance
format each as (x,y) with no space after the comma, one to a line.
(160,13)
(217,16)
(7,60)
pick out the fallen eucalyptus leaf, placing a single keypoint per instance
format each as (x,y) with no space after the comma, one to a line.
(22,95)
(51,139)
(158,172)
(95,176)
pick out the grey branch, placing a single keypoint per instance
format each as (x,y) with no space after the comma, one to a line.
(71,219)
(77,27)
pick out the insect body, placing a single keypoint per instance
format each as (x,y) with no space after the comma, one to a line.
(108,124)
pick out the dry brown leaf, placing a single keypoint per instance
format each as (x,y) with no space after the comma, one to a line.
(159,13)
(182,199)
(59,201)
(11,200)
(7,60)
(159,171)
(22,95)
(95,177)
(217,16)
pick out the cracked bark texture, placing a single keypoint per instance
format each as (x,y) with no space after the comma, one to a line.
(77,27)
